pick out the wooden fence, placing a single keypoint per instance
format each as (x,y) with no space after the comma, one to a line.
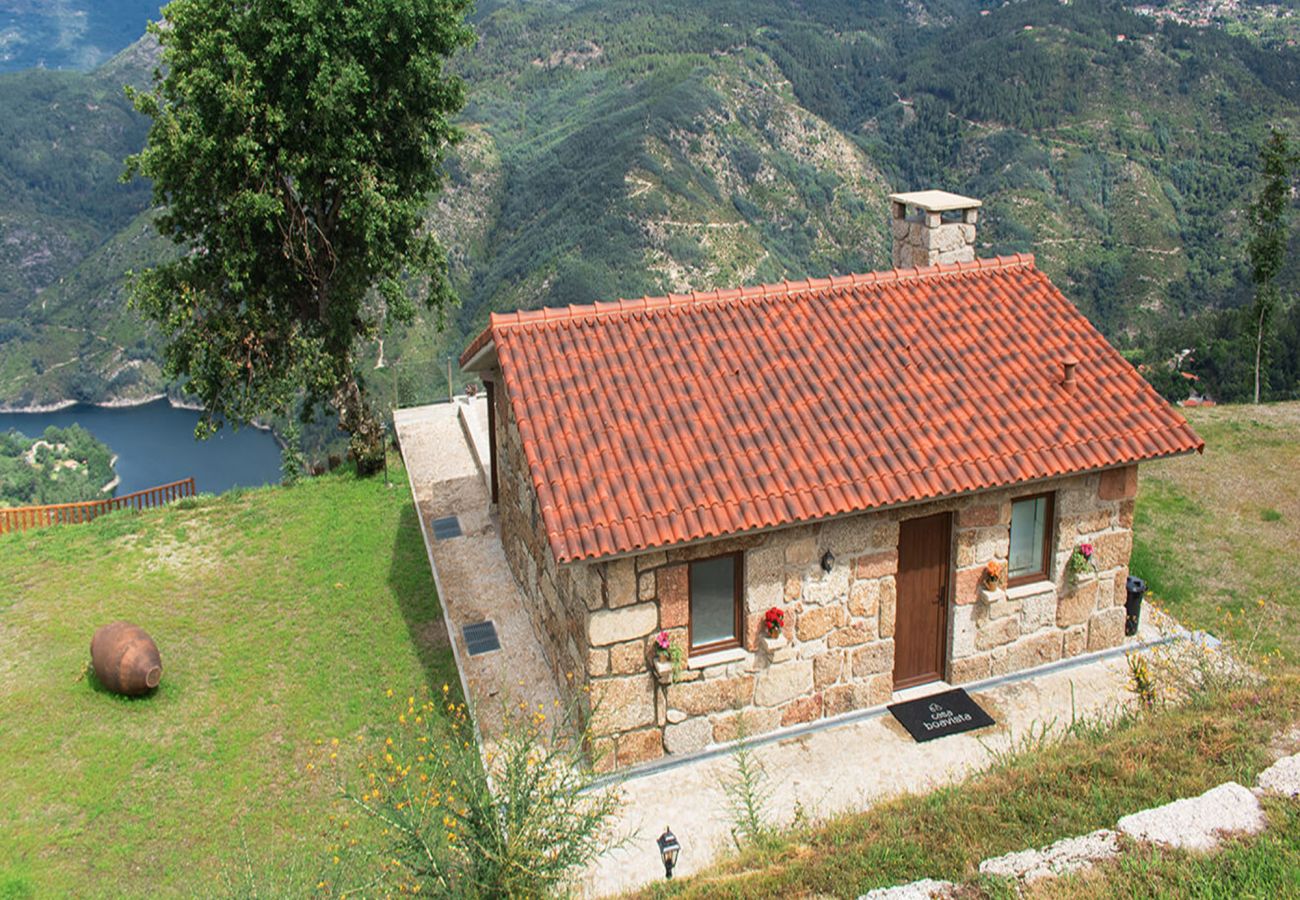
(21,518)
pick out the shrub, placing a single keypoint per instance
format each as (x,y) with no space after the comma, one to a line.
(1195,666)
(747,789)
(517,820)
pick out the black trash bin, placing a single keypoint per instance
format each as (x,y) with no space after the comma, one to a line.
(1137,589)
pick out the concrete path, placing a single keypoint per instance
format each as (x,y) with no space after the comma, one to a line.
(473,579)
(842,768)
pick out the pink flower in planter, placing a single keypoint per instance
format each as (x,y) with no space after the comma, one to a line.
(662,640)
(1086,550)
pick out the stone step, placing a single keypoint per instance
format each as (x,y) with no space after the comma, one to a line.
(925,889)
(1061,858)
(1283,777)
(1198,823)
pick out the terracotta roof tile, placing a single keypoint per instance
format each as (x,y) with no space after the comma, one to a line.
(663,420)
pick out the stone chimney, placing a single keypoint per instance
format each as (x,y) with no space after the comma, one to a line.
(932,227)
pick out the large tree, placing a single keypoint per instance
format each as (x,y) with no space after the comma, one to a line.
(1269,231)
(293,150)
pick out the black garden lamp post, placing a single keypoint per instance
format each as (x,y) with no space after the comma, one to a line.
(668,850)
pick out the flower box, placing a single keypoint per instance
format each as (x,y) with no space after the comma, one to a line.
(663,671)
(773,644)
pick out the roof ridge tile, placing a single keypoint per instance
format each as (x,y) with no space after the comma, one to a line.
(785,288)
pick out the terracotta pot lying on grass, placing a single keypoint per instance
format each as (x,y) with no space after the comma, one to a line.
(125,659)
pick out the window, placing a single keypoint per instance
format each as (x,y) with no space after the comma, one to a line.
(1031,539)
(715,602)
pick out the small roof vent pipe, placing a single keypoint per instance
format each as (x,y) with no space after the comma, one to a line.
(1068,365)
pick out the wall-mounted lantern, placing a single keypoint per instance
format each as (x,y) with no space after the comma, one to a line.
(828,560)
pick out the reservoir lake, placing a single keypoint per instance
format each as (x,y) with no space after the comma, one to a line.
(155,445)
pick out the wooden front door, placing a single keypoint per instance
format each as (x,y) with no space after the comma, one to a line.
(921,619)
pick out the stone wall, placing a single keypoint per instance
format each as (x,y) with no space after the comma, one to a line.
(1009,629)
(557,596)
(597,621)
(925,239)
(838,656)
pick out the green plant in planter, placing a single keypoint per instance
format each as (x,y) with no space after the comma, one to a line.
(1080,561)
(668,651)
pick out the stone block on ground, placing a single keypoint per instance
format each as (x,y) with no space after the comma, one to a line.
(925,889)
(1197,823)
(704,697)
(1065,856)
(746,723)
(1283,777)
(972,668)
(1027,653)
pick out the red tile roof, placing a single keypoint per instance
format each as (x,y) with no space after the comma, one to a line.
(671,419)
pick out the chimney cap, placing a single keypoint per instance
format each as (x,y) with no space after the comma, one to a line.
(936,201)
(1068,364)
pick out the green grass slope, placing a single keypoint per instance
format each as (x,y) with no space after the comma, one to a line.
(1218,533)
(282,616)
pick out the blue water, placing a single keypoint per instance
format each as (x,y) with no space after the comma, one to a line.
(155,445)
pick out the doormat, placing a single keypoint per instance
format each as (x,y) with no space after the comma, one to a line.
(951,712)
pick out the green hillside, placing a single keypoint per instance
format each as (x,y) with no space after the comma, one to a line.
(68,34)
(61,465)
(623,147)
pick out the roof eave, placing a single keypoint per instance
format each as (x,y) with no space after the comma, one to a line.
(480,355)
(609,557)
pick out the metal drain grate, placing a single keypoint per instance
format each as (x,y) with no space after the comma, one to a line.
(446,527)
(481,637)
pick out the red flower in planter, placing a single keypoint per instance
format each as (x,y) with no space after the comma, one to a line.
(773,621)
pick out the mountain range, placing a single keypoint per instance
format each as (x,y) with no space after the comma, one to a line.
(623,147)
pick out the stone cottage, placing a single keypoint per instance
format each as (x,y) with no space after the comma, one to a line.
(903,463)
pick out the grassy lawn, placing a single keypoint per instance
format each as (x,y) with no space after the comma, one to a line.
(1216,533)
(282,616)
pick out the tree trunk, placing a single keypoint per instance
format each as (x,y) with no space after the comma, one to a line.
(366,432)
(1259,346)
